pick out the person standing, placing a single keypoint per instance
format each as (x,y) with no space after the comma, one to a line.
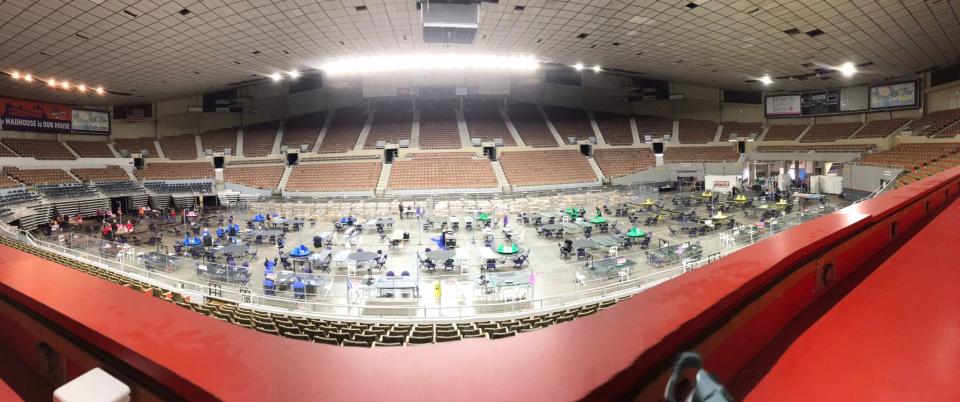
(401,209)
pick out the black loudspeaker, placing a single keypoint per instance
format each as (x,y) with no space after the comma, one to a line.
(658,148)
(317,242)
(207,241)
(741,146)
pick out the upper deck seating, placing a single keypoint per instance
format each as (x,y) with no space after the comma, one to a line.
(91,149)
(528,121)
(265,177)
(438,125)
(615,128)
(442,171)
(219,140)
(742,130)
(830,132)
(697,131)
(136,145)
(623,161)
(934,122)
(334,177)
(911,156)
(787,132)
(344,130)
(570,122)
(106,174)
(39,149)
(258,139)
(392,122)
(844,148)
(654,126)
(176,171)
(722,153)
(485,122)
(179,147)
(546,167)
(302,130)
(880,128)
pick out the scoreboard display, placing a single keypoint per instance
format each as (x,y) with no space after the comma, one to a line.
(857,99)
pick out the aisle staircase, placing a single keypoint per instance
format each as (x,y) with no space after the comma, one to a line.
(364,132)
(501,176)
(278,138)
(383,180)
(596,168)
(238,147)
(283,179)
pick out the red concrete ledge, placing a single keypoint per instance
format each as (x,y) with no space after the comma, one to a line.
(602,356)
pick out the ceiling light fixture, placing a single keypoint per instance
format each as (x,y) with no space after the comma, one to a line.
(52,83)
(578,66)
(294,74)
(28,78)
(596,69)
(65,85)
(766,80)
(99,90)
(414,62)
(15,75)
(276,77)
(847,69)
(82,88)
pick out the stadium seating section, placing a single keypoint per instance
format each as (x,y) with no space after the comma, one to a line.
(858,148)
(787,132)
(179,147)
(392,122)
(441,171)
(7,182)
(615,128)
(485,122)
(110,173)
(334,177)
(176,171)
(701,154)
(655,127)
(4,151)
(39,149)
(546,167)
(136,145)
(258,139)
(742,130)
(880,128)
(266,177)
(344,131)
(911,156)
(623,161)
(91,149)
(219,140)
(570,122)
(829,132)
(935,123)
(302,130)
(697,131)
(438,125)
(34,177)
(528,121)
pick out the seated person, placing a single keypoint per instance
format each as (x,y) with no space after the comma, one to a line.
(269,287)
(269,264)
(299,289)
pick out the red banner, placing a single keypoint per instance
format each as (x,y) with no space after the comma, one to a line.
(24,115)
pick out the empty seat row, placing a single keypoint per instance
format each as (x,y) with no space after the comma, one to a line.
(392,122)
(35,177)
(220,140)
(136,145)
(176,171)
(546,167)
(830,132)
(723,153)
(109,173)
(615,128)
(485,122)
(933,123)
(880,128)
(39,149)
(816,148)
(265,177)
(911,156)
(258,139)
(697,131)
(179,147)
(784,132)
(438,125)
(739,130)
(622,161)
(193,187)
(334,177)
(570,122)
(302,130)
(344,130)
(91,149)
(439,172)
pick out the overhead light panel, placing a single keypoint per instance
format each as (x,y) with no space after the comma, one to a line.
(428,62)
(52,83)
(276,77)
(15,75)
(578,66)
(99,90)
(82,88)
(848,69)
(65,84)
(596,69)
(766,80)
(294,74)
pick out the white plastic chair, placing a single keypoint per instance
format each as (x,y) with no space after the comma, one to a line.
(581,280)
(624,275)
